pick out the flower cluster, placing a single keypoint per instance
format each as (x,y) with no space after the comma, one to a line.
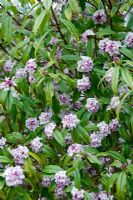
(109,46)
(19,154)
(14,176)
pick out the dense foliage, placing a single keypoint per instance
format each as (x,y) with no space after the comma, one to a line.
(66,106)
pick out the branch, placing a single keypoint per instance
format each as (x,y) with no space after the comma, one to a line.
(58,26)
(5,50)
(16,21)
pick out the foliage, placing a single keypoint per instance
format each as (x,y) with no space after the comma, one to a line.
(66,106)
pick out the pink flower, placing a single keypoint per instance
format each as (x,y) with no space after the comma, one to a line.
(30,66)
(32,123)
(114,125)
(112,47)
(8,66)
(86,34)
(19,154)
(70,121)
(83,84)
(104,129)
(92,105)
(99,17)
(77,194)
(7,84)
(85,64)
(48,130)
(21,73)
(95,140)
(64,99)
(46,181)
(14,176)
(36,144)
(75,149)
(45,117)
(102,44)
(61,179)
(129,40)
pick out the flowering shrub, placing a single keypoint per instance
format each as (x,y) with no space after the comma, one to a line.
(66,106)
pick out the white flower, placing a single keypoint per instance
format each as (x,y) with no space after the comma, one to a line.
(129,40)
(19,154)
(14,176)
(32,123)
(2,142)
(45,117)
(77,194)
(30,66)
(85,64)
(36,144)
(49,128)
(61,179)
(92,105)
(21,73)
(99,17)
(83,84)
(75,149)
(70,121)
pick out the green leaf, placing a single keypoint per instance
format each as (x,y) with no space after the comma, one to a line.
(113,154)
(40,42)
(14,137)
(121,185)
(74,6)
(87,196)
(2,183)
(58,137)
(115,79)
(90,47)
(36,157)
(4,159)
(79,130)
(8,28)
(82,4)
(121,102)
(49,91)
(105,31)
(77,178)
(71,28)
(52,169)
(93,159)
(47,4)
(10,193)
(68,13)
(70,57)
(41,19)
(128,53)
(112,179)
(127,77)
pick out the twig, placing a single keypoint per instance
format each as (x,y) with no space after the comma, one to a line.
(110,4)
(91,4)
(109,20)
(58,27)
(16,21)
(128,11)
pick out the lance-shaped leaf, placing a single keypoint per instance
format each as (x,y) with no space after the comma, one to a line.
(49,91)
(127,77)
(71,28)
(115,79)
(121,186)
(47,4)
(42,19)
